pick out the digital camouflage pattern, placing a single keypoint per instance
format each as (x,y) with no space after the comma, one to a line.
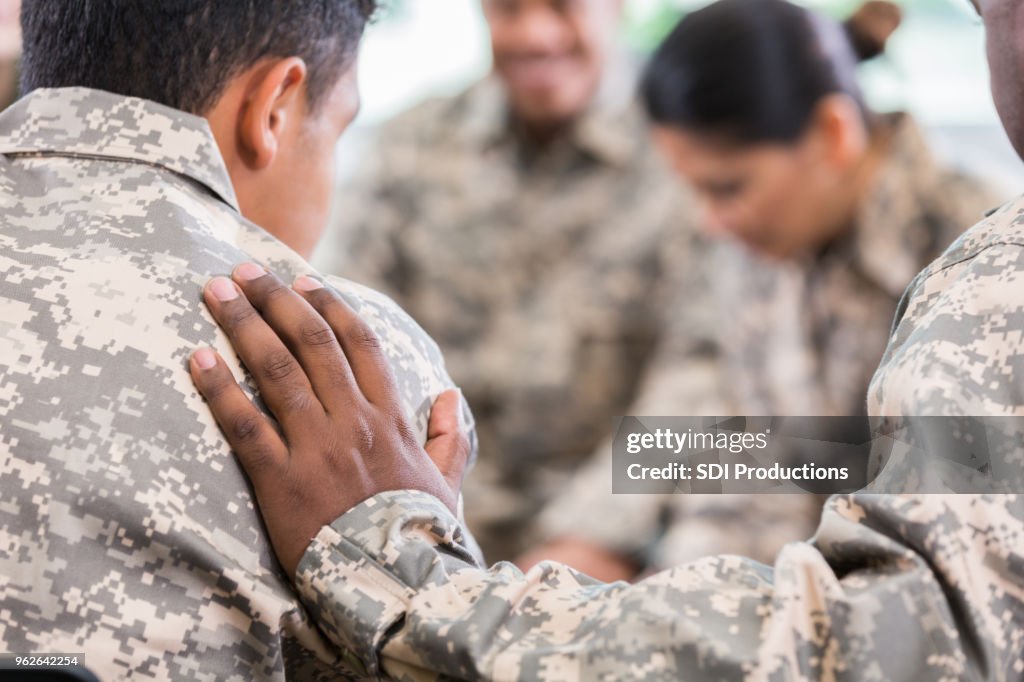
(127,530)
(540,272)
(890,588)
(958,342)
(796,339)
(956,351)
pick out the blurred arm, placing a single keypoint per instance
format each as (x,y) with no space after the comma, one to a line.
(587,526)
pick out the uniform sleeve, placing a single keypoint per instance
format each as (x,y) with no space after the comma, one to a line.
(893,588)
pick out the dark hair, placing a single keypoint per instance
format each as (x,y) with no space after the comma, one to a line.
(183,53)
(750,71)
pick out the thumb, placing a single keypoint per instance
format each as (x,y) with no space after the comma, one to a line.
(447,444)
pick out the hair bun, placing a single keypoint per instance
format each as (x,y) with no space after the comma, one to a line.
(870,27)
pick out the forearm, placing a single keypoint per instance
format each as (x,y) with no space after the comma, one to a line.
(389,581)
(407,603)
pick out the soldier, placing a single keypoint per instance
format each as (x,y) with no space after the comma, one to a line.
(954,348)
(529,226)
(891,587)
(130,172)
(825,210)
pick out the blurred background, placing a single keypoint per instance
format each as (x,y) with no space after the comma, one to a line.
(558,276)
(934,67)
(548,270)
(556,258)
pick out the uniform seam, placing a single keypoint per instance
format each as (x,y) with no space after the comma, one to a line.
(972,256)
(85,156)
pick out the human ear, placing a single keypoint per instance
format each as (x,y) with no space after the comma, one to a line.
(838,127)
(274,100)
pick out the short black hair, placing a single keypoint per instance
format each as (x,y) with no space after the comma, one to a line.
(750,71)
(183,53)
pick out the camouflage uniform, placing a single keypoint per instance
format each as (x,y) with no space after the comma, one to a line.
(958,342)
(795,339)
(127,530)
(915,588)
(538,271)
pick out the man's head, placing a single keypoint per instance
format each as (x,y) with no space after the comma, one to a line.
(551,54)
(276,80)
(1004,23)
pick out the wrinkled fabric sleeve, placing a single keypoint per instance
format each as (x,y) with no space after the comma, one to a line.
(892,588)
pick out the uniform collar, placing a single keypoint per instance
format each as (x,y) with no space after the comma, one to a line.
(885,249)
(96,124)
(604,131)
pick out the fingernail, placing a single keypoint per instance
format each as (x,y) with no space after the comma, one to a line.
(304,283)
(249,271)
(223,289)
(204,358)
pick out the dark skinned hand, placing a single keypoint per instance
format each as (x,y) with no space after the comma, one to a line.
(343,434)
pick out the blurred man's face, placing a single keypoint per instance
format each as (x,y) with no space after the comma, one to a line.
(1004,21)
(550,54)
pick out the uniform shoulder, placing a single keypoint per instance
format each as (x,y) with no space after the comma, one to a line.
(944,197)
(391,323)
(965,196)
(1001,228)
(436,116)
(952,349)
(416,359)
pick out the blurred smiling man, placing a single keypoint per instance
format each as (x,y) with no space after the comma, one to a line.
(529,226)
(551,66)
